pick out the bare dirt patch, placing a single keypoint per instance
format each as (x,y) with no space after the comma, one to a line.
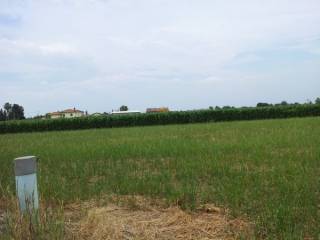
(140,218)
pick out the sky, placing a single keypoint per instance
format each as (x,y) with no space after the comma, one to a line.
(97,55)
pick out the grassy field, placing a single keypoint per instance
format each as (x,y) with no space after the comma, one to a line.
(268,170)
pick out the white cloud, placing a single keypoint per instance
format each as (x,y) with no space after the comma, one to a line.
(57,48)
(181,47)
(22,47)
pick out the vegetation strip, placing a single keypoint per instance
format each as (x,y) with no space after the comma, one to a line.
(266,170)
(232,114)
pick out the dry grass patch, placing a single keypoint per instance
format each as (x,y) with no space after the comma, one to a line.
(140,218)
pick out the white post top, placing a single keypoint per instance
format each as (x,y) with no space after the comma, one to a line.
(25,165)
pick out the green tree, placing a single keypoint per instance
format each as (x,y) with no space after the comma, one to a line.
(13,111)
(7,110)
(17,112)
(263,104)
(2,115)
(227,107)
(124,108)
(317,101)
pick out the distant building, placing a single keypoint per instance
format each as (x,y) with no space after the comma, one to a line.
(157,110)
(124,112)
(68,113)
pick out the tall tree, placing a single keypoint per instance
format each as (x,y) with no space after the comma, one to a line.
(124,108)
(317,101)
(17,112)
(7,110)
(13,112)
(2,115)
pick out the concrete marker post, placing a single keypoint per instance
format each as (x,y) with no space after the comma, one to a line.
(26,183)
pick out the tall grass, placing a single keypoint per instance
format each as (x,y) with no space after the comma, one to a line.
(47,222)
(268,170)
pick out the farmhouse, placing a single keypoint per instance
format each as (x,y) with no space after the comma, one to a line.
(157,110)
(68,113)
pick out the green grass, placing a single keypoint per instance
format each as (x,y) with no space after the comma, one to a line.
(267,170)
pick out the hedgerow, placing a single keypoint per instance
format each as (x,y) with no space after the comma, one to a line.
(177,117)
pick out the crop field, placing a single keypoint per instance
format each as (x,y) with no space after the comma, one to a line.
(266,170)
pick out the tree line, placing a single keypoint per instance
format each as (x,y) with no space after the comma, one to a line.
(16,112)
(173,117)
(264,104)
(11,112)
(285,103)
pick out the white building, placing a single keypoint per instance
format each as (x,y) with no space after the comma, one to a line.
(124,112)
(68,113)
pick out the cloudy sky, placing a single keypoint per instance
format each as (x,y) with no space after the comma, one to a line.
(96,55)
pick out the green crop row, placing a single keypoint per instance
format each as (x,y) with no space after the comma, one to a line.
(198,116)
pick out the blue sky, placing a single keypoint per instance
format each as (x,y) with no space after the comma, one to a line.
(99,54)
